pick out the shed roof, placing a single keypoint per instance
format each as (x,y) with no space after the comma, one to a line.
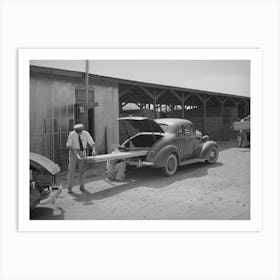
(56,73)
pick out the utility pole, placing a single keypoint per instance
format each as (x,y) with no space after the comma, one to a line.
(86,93)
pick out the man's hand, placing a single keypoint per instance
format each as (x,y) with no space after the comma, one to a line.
(74,152)
(78,156)
(93,153)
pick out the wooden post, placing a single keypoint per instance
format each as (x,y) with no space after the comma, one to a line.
(183,105)
(86,97)
(236,103)
(204,111)
(246,108)
(155,105)
(204,116)
(222,112)
(222,101)
(204,102)
(185,98)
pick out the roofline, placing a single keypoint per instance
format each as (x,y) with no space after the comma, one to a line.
(80,75)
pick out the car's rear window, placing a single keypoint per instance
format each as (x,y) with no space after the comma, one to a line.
(163,126)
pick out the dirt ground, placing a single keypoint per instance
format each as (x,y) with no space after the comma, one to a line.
(196,192)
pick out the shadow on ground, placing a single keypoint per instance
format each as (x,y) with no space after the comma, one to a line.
(145,177)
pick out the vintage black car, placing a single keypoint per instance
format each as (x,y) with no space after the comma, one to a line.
(167,143)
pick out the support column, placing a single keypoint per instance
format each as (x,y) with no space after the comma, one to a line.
(236,103)
(155,105)
(185,98)
(246,108)
(86,95)
(222,101)
(183,105)
(222,112)
(204,101)
(204,116)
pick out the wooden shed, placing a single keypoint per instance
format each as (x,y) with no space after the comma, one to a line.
(58,101)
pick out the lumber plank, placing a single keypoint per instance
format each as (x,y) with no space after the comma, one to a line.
(116,155)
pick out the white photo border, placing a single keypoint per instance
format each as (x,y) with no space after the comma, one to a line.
(255,57)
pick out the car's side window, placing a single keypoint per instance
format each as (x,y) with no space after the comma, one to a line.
(181,130)
(185,130)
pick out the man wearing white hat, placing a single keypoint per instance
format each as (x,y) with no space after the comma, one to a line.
(77,143)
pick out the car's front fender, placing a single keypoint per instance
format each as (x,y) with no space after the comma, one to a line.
(204,153)
(160,158)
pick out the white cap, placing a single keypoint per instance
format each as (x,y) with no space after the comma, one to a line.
(78,126)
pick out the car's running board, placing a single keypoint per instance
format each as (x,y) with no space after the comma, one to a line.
(190,161)
(139,163)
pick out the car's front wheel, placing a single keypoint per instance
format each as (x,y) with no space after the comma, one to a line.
(171,165)
(213,155)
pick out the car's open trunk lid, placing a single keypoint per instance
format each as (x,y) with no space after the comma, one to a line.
(130,126)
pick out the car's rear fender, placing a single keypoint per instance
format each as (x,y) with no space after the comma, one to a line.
(204,153)
(160,158)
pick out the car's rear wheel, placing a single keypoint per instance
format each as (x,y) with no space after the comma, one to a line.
(171,165)
(213,155)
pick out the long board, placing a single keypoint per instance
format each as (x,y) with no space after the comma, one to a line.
(116,155)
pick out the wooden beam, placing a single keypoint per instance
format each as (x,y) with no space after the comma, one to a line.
(222,100)
(177,95)
(222,112)
(127,90)
(204,117)
(161,93)
(222,117)
(186,97)
(86,93)
(235,101)
(247,105)
(203,99)
(199,97)
(125,103)
(147,92)
(155,105)
(183,105)
(139,105)
(208,98)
